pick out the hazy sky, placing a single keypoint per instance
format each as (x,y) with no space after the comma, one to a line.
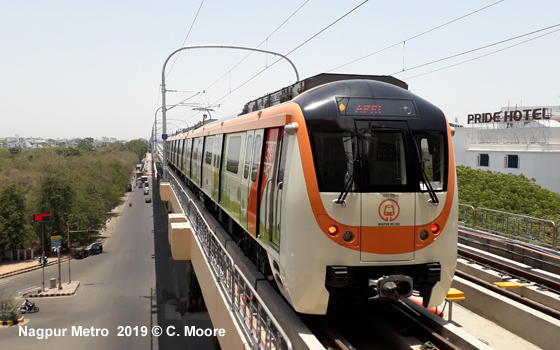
(93,68)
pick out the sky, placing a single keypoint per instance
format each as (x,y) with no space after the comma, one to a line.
(76,69)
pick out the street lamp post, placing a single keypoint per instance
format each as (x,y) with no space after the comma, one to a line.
(163,91)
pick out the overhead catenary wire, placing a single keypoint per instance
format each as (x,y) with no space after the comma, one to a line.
(417,36)
(262,42)
(485,55)
(293,50)
(238,63)
(184,41)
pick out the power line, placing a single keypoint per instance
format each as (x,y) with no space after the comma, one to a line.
(268,37)
(485,55)
(184,41)
(243,59)
(416,36)
(481,48)
(297,47)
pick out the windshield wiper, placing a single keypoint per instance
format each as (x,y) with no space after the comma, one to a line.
(347,186)
(433,197)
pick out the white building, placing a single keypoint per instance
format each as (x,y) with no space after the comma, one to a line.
(520,140)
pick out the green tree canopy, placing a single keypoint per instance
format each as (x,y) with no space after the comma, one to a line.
(86,144)
(506,192)
(137,147)
(78,187)
(55,196)
(15,227)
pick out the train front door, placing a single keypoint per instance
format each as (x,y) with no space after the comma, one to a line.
(388,199)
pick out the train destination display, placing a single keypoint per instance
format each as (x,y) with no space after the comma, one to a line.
(376,107)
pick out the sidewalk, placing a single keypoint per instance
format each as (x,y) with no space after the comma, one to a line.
(15,267)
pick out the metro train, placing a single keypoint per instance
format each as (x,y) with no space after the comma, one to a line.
(338,187)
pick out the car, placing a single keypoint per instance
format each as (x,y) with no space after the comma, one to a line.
(96,248)
(146,191)
(148,200)
(139,185)
(80,253)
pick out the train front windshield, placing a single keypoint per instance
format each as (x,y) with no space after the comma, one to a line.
(380,159)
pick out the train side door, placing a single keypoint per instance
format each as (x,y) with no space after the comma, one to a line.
(216,166)
(274,186)
(246,177)
(270,189)
(253,198)
(188,158)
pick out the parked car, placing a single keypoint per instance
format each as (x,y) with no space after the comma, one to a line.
(81,252)
(148,200)
(96,248)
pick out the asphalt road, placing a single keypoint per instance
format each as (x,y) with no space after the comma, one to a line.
(115,302)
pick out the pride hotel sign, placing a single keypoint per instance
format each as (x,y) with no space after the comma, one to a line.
(508,116)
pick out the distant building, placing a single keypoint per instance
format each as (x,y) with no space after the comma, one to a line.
(16,143)
(519,140)
(36,143)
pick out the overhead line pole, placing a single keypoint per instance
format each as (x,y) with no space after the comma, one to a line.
(163,90)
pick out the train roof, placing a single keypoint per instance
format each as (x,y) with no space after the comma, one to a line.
(289,92)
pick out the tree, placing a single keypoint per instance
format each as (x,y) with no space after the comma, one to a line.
(86,144)
(15,229)
(506,192)
(55,196)
(137,147)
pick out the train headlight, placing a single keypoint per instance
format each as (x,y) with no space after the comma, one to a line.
(348,236)
(333,230)
(434,228)
(424,235)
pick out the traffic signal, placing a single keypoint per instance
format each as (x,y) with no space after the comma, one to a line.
(91,231)
(42,217)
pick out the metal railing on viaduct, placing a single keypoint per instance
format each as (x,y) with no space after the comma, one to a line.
(523,228)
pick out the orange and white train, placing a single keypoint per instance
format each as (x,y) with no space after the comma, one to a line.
(339,187)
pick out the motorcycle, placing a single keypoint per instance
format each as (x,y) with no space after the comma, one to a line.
(130,204)
(27,307)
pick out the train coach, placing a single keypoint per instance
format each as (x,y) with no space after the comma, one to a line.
(338,187)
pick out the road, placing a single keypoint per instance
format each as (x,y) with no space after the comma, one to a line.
(116,295)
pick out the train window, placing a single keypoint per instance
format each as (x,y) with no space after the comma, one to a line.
(256,158)
(432,151)
(234,150)
(218,150)
(384,153)
(209,149)
(188,157)
(195,152)
(248,150)
(334,153)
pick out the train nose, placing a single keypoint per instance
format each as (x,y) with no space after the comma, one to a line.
(392,287)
